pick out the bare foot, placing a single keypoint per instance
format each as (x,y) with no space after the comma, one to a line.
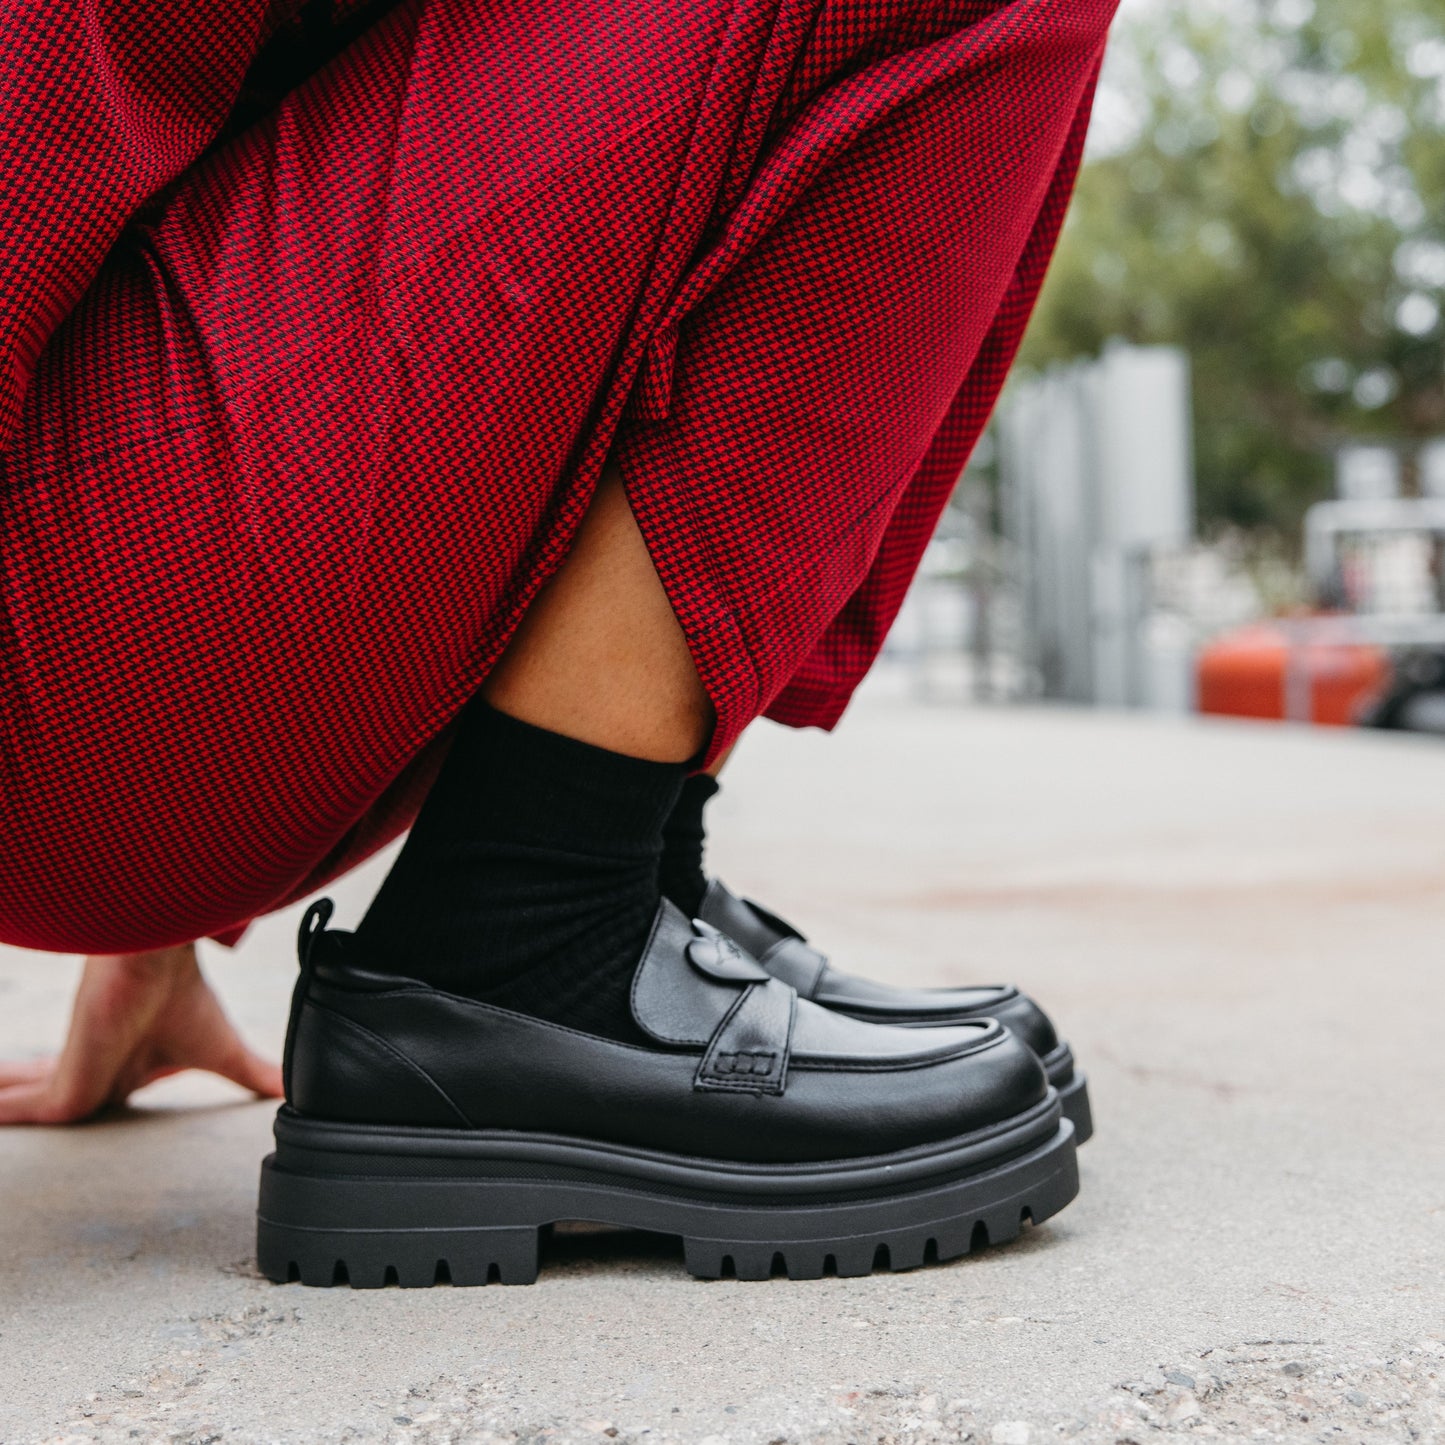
(137,1017)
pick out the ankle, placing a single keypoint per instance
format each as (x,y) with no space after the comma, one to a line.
(531,878)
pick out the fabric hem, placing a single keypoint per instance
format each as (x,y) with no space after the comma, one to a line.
(801,705)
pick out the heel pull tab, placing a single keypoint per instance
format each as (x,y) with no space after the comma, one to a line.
(313,925)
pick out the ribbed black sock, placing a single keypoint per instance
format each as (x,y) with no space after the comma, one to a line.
(684,836)
(530,879)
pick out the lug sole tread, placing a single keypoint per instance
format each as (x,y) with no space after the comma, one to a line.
(513,1256)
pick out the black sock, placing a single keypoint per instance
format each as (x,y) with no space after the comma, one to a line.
(530,878)
(684,878)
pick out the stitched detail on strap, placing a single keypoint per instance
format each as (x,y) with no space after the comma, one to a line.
(748,1053)
(756,1064)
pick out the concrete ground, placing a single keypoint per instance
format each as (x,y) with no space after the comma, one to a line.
(1241,930)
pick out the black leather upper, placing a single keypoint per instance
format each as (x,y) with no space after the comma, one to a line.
(743,1069)
(783,951)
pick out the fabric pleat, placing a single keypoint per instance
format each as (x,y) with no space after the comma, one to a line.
(304,394)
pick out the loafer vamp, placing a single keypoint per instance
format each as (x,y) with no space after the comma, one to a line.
(743,1070)
(782,950)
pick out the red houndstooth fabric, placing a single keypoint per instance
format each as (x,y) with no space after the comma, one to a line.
(304,397)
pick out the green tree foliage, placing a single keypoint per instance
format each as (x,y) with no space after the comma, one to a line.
(1266,187)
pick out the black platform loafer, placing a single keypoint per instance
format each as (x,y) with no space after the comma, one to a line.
(428,1137)
(787,955)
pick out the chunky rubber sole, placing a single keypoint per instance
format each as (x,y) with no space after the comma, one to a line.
(1074,1096)
(1073,1090)
(371,1205)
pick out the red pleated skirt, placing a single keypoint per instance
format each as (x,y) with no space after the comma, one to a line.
(303,396)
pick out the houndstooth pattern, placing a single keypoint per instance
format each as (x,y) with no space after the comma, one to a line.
(303,411)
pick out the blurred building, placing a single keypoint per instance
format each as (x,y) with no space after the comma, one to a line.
(1096,479)
(1067,567)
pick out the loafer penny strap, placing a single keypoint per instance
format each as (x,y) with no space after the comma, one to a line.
(748,1053)
(696,987)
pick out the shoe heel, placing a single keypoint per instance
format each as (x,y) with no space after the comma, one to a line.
(340,1243)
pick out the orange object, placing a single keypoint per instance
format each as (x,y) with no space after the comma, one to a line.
(1247,673)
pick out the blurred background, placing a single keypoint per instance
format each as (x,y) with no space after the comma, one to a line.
(1216,481)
